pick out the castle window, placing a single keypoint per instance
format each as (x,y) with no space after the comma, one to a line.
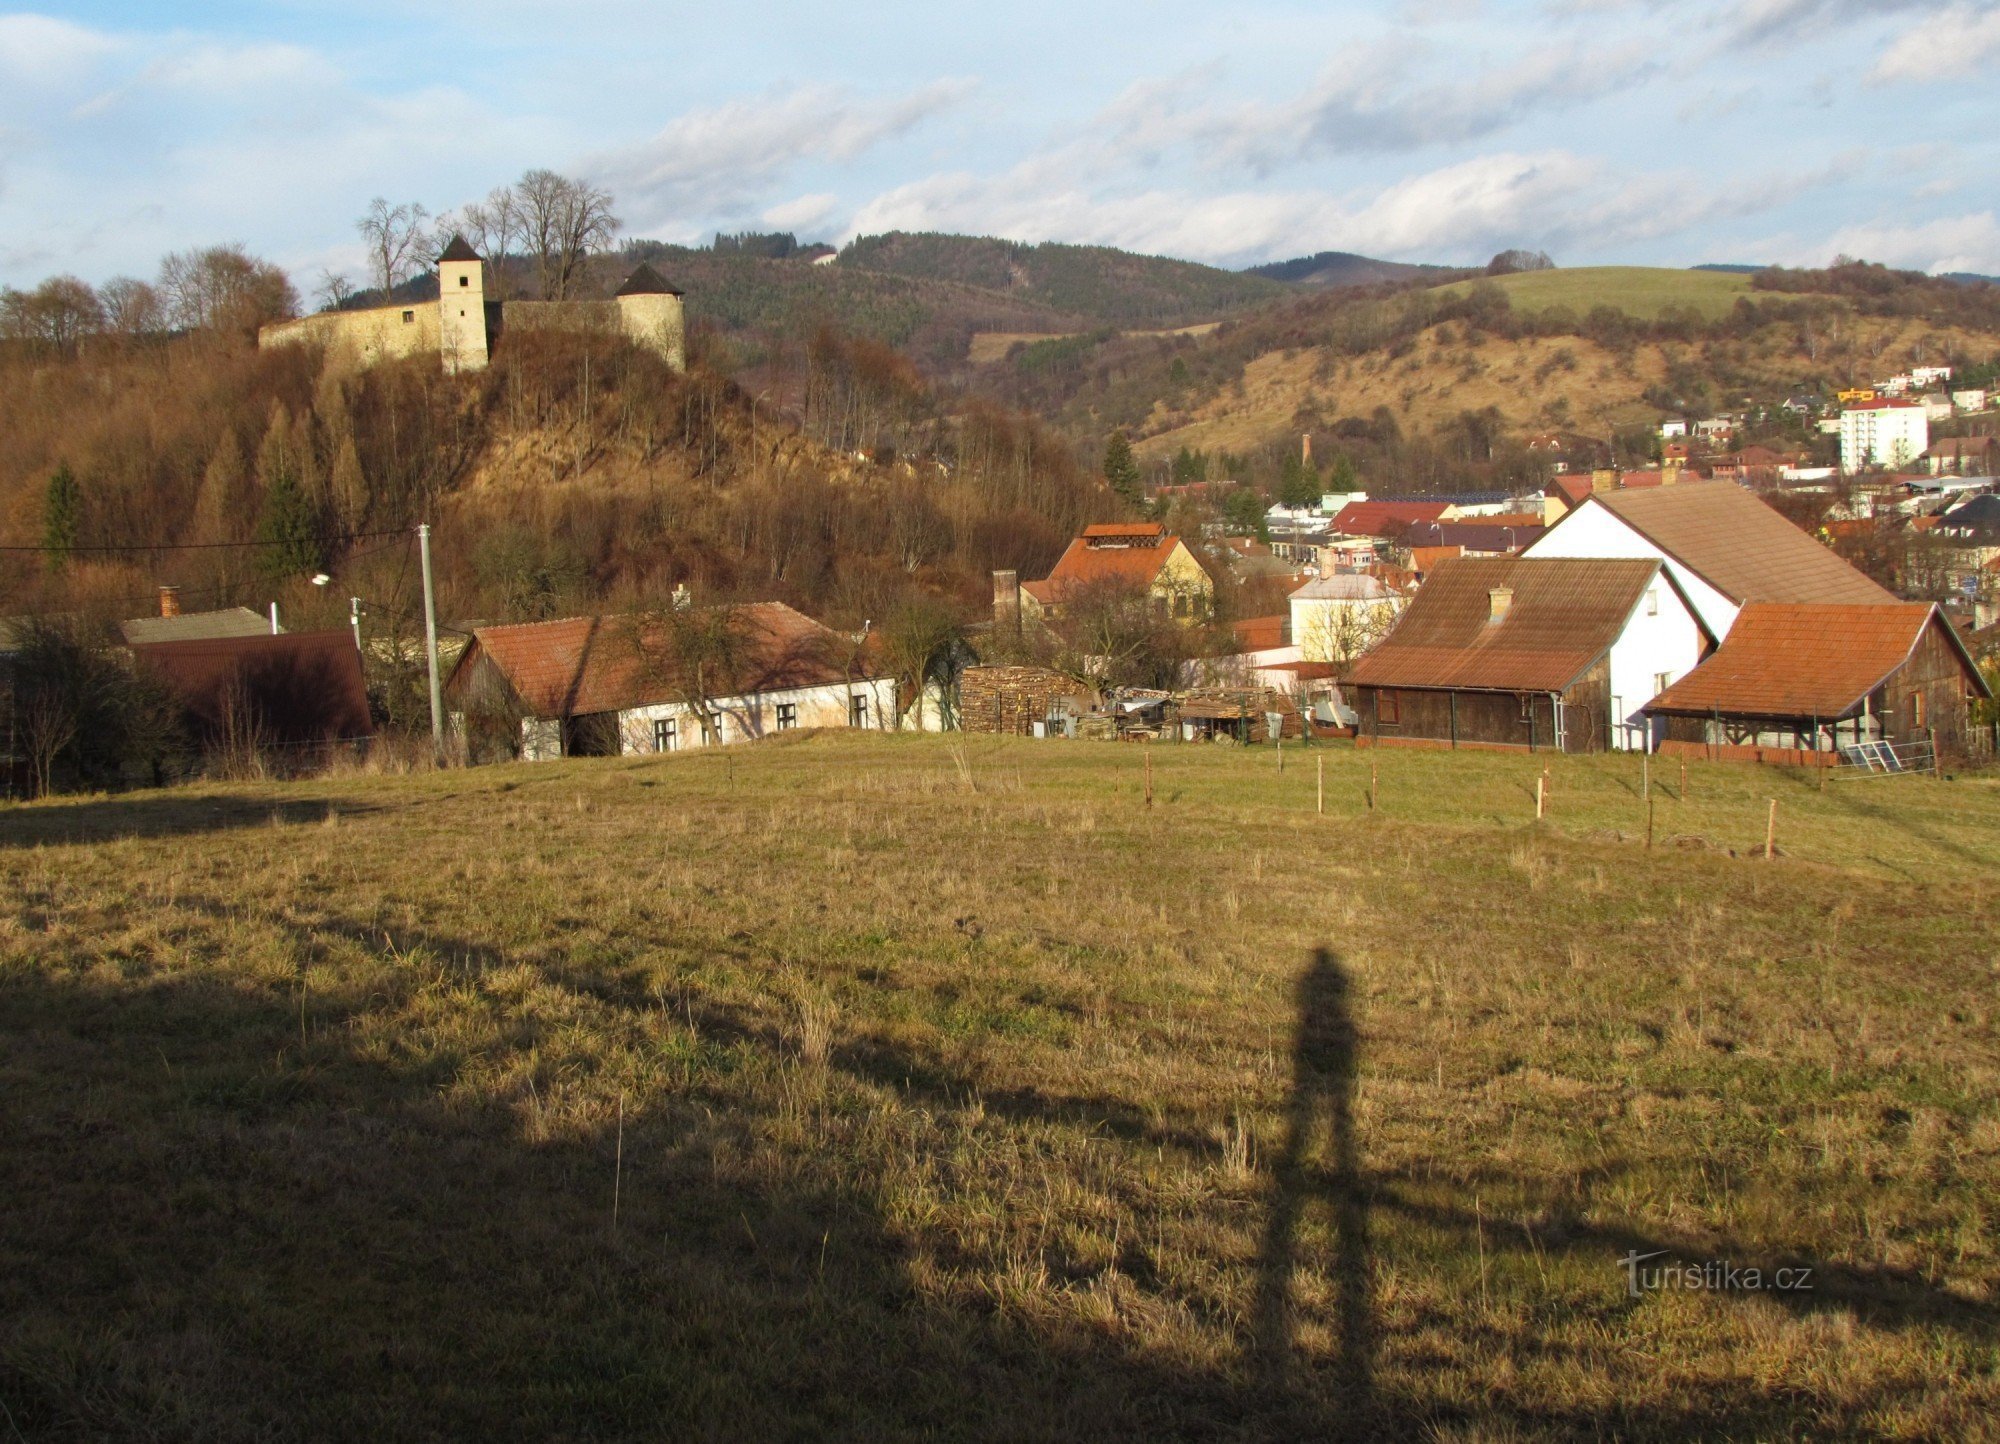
(465,280)
(409,316)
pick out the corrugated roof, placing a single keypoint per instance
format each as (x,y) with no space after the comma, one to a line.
(196,626)
(585,665)
(301,686)
(1789,660)
(1479,535)
(1564,614)
(1737,544)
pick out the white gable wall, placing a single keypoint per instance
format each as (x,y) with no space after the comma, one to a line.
(743,719)
(1593,530)
(1662,636)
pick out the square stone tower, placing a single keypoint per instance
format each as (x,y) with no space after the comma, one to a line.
(462,308)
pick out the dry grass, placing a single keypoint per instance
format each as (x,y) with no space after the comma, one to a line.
(964,1096)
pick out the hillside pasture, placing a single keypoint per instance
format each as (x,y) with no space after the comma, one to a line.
(1642,291)
(893,1088)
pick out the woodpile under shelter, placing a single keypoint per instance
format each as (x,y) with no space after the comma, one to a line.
(1797,683)
(1509,652)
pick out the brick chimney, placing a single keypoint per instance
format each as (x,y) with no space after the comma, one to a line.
(170,601)
(1007,601)
(1499,601)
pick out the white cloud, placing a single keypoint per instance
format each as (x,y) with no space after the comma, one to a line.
(38,50)
(1960,41)
(1969,242)
(725,158)
(803,213)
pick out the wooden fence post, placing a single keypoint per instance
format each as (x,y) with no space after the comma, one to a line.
(1149,774)
(1539,781)
(1646,777)
(1771,831)
(1371,785)
(1649,824)
(1321,800)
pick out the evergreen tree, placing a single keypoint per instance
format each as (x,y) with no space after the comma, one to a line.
(1298,483)
(62,513)
(1121,470)
(1342,477)
(289,528)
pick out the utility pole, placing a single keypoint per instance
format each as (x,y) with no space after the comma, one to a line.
(431,641)
(354,619)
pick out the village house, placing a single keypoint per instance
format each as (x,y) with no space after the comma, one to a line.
(1722,546)
(1962,456)
(1559,654)
(1136,555)
(283,691)
(1337,618)
(462,327)
(1792,682)
(612,686)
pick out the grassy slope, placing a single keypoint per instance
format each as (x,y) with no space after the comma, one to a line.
(1643,291)
(1523,380)
(962,1094)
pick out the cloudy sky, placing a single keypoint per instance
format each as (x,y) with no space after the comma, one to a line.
(1641,131)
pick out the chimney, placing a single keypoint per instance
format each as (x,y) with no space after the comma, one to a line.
(1306,447)
(1007,601)
(170,601)
(1499,601)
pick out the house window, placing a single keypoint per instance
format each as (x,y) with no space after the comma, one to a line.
(857,710)
(710,729)
(1916,709)
(788,716)
(409,316)
(666,735)
(1652,601)
(1662,681)
(1388,709)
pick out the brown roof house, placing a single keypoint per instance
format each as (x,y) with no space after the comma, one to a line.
(291,689)
(1558,654)
(606,686)
(1805,679)
(1723,547)
(1140,556)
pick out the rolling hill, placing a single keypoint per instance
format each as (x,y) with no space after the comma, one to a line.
(1330,270)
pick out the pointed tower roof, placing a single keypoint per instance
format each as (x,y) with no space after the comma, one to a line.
(458,250)
(648,282)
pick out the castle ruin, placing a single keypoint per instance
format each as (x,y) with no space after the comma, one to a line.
(462,326)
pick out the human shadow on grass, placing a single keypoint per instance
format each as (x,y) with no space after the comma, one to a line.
(232,1224)
(162,814)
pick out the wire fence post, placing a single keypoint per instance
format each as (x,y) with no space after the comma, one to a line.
(431,642)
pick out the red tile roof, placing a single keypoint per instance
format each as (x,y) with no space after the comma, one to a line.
(1127,552)
(586,665)
(1572,489)
(1790,660)
(1258,634)
(1564,614)
(1384,518)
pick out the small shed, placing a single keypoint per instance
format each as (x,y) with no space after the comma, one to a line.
(292,689)
(1812,679)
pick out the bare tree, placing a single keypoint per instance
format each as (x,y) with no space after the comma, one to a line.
(395,237)
(225,288)
(696,654)
(493,227)
(334,290)
(57,314)
(563,223)
(132,308)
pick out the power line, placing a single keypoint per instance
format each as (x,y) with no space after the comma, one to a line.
(148,548)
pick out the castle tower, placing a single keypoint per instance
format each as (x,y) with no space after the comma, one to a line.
(462,308)
(649,311)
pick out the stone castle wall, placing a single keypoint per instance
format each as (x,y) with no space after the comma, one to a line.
(361,338)
(384,333)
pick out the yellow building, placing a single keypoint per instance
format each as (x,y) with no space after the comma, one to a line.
(1139,555)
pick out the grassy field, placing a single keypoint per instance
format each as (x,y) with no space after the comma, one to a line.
(1642,291)
(901,1088)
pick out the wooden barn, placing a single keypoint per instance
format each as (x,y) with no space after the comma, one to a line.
(1509,652)
(1808,680)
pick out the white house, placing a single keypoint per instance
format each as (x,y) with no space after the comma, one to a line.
(1670,430)
(1968,400)
(1929,375)
(1721,545)
(1338,617)
(1885,433)
(611,686)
